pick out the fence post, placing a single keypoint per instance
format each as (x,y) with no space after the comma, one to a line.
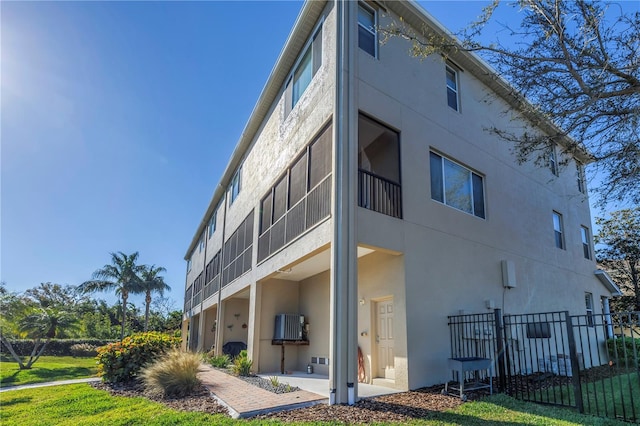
(575,365)
(502,378)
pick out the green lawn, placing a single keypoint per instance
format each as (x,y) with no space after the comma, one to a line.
(82,404)
(46,369)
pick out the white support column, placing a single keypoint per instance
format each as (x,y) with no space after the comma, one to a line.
(344,278)
(253,337)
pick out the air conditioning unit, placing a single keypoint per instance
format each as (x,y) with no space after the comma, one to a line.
(289,327)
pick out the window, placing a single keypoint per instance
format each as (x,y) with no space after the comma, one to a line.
(586,243)
(588,301)
(304,71)
(553,162)
(367,35)
(456,186)
(188,264)
(582,181)
(558,230)
(201,244)
(452,88)
(235,186)
(212,223)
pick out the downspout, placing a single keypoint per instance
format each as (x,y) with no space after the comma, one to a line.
(607,316)
(343,367)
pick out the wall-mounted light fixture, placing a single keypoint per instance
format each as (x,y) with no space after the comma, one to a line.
(361,301)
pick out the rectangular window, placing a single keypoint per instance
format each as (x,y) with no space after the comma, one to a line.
(201,244)
(586,242)
(212,223)
(553,161)
(188,265)
(306,68)
(235,186)
(367,34)
(456,186)
(558,230)
(298,180)
(452,88)
(588,301)
(582,182)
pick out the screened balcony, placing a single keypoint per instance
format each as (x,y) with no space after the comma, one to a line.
(379,186)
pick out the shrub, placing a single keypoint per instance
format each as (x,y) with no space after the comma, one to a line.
(624,350)
(220,361)
(175,374)
(242,365)
(274,381)
(121,361)
(83,349)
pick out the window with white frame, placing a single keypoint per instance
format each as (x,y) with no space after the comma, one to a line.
(582,182)
(304,70)
(452,88)
(553,161)
(586,242)
(367,33)
(588,301)
(212,223)
(456,186)
(188,264)
(201,244)
(235,186)
(558,230)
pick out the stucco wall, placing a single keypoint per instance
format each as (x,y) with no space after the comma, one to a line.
(278,297)
(314,304)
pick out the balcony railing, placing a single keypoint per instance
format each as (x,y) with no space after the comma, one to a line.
(379,194)
(310,210)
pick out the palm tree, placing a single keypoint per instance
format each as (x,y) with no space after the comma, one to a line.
(45,323)
(122,275)
(152,282)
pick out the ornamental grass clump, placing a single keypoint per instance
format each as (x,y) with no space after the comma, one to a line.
(242,364)
(220,361)
(175,374)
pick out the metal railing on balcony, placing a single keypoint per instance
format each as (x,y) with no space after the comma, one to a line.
(309,211)
(379,194)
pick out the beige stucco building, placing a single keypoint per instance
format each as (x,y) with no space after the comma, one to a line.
(367,195)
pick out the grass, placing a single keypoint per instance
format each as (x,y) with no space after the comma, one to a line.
(82,404)
(607,397)
(46,369)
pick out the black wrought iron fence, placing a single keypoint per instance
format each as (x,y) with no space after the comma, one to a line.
(586,362)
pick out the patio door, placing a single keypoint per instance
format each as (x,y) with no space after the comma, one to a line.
(384,339)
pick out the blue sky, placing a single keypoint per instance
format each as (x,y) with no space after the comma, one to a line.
(117,120)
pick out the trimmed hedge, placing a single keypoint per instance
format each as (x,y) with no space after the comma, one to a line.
(624,349)
(121,361)
(56,347)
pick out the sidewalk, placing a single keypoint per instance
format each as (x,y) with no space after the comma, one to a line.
(245,400)
(45,384)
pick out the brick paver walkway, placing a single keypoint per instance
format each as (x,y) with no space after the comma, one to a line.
(246,400)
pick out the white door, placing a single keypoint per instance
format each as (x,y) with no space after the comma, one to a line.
(384,339)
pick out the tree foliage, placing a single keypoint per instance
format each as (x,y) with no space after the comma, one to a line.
(618,252)
(578,64)
(122,275)
(40,314)
(152,282)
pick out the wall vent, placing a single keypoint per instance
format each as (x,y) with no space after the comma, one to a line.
(288,327)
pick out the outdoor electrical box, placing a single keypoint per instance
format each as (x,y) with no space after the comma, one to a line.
(508,274)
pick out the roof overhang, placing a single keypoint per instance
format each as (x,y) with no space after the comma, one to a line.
(606,281)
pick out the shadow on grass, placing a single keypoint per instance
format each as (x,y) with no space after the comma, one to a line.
(39,375)
(417,413)
(13,401)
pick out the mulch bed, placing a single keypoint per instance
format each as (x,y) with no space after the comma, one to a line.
(399,407)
